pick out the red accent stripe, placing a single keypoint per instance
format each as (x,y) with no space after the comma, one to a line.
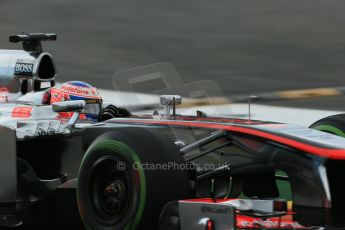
(338,154)
(22,112)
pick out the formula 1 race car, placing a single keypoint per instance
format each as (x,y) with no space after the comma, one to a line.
(158,171)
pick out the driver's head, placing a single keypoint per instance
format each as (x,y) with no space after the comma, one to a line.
(78,90)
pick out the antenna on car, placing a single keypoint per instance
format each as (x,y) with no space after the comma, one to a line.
(32,41)
(250,98)
(169,101)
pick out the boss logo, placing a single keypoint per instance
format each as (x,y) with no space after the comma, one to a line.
(23,69)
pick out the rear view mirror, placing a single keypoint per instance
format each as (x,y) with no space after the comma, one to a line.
(68,106)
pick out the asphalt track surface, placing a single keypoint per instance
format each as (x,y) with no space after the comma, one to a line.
(247,47)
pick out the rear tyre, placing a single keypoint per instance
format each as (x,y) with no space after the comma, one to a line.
(333,124)
(115,192)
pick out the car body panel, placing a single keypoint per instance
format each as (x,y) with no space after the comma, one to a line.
(305,139)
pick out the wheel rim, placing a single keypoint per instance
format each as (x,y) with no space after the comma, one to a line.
(110,189)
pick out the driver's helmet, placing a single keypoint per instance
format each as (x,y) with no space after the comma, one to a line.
(78,90)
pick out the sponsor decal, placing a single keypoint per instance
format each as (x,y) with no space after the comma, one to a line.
(80,91)
(21,112)
(24,69)
(246,222)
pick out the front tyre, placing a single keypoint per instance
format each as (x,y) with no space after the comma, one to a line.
(117,190)
(333,124)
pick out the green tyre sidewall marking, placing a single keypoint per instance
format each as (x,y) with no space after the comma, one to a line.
(331,129)
(124,150)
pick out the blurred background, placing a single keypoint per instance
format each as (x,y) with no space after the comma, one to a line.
(247,47)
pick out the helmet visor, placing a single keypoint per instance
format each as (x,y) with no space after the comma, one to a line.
(92,108)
